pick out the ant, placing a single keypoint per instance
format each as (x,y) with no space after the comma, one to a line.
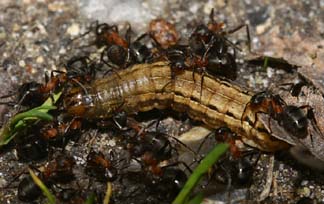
(224,134)
(80,69)
(232,173)
(28,191)
(29,94)
(169,184)
(33,94)
(211,48)
(31,147)
(264,102)
(178,59)
(291,118)
(119,51)
(100,167)
(59,132)
(152,147)
(59,170)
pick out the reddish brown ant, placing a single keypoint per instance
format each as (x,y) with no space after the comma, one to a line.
(264,102)
(121,52)
(58,133)
(291,118)
(211,48)
(100,167)
(59,170)
(107,35)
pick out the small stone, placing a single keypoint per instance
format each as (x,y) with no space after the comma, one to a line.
(22,63)
(304,183)
(305,192)
(62,50)
(3,35)
(3,182)
(40,60)
(74,29)
(15,27)
(112,143)
(56,6)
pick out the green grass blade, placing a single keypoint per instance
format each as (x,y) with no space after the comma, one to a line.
(20,120)
(200,170)
(90,199)
(50,197)
(197,199)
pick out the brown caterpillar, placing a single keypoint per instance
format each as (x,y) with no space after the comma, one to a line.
(144,87)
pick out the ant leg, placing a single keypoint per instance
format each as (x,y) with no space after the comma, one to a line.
(84,34)
(247,34)
(211,15)
(114,28)
(202,83)
(184,145)
(177,164)
(311,117)
(128,34)
(141,36)
(205,139)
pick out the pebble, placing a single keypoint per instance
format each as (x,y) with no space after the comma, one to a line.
(40,60)
(15,27)
(22,63)
(305,192)
(3,182)
(62,50)
(73,30)
(304,183)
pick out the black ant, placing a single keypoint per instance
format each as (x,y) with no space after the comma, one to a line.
(28,95)
(32,148)
(235,171)
(33,94)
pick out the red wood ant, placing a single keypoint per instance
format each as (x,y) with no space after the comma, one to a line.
(59,170)
(121,52)
(210,47)
(58,133)
(291,118)
(152,148)
(100,167)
